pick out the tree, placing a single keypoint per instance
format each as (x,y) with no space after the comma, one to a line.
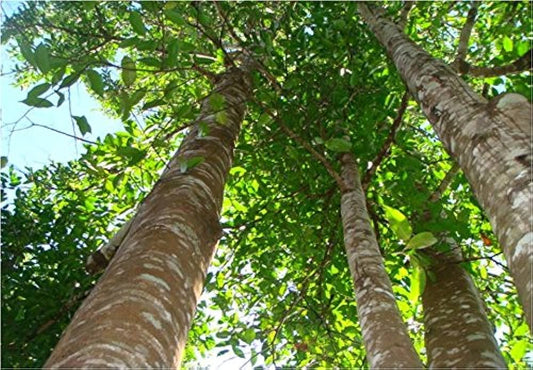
(163,257)
(279,290)
(479,135)
(386,340)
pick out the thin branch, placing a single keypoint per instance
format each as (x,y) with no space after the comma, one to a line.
(520,65)
(388,142)
(33,124)
(462,48)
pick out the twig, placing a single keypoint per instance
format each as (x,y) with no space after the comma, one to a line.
(33,124)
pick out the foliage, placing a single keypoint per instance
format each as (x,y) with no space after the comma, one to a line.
(279,290)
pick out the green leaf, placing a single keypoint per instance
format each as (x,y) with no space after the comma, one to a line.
(3,161)
(418,283)
(129,75)
(151,61)
(398,223)
(248,335)
(95,82)
(519,349)
(83,125)
(37,102)
(133,154)
(61,98)
(38,90)
(27,52)
(137,97)
(175,17)
(422,240)
(69,80)
(338,145)
(137,23)
(221,117)
(238,351)
(507,44)
(42,58)
(153,103)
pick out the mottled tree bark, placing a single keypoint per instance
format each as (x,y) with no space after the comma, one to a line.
(491,141)
(457,331)
(385,336)
(139,313)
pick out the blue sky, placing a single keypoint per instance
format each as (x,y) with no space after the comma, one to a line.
(36,146)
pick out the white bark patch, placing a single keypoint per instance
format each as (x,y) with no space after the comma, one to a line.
(155,279)
(152,320)
(523,246)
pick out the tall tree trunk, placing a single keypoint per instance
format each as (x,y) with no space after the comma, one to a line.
(489,140)
(385,336)
(457,331)
(139,313)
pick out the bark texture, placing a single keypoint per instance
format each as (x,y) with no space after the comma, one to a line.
(385,336)
(491,141)
(139,313)
(457,331)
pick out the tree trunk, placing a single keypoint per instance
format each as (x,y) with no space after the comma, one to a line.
(385,337)
(489,140)
(457,331)
(139,313)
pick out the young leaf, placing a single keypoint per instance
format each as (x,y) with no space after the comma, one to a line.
(507,44)
(128,71)
(398,223)
(418,283)
(95,81)
(38,90)
(37,102)
(42,58)
(83,125)
(137,23)
(422,240)
(338,145)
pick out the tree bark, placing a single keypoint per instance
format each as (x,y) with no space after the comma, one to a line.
(139,313)
(491,141)
(385,336)
(457,331)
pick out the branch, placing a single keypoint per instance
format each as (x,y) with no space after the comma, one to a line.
(462,48)
(522,64)
(404,13)
(388,142)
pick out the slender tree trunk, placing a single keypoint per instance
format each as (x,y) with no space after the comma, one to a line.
(457,331)
(491,141)
(385,336)
(139,313)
